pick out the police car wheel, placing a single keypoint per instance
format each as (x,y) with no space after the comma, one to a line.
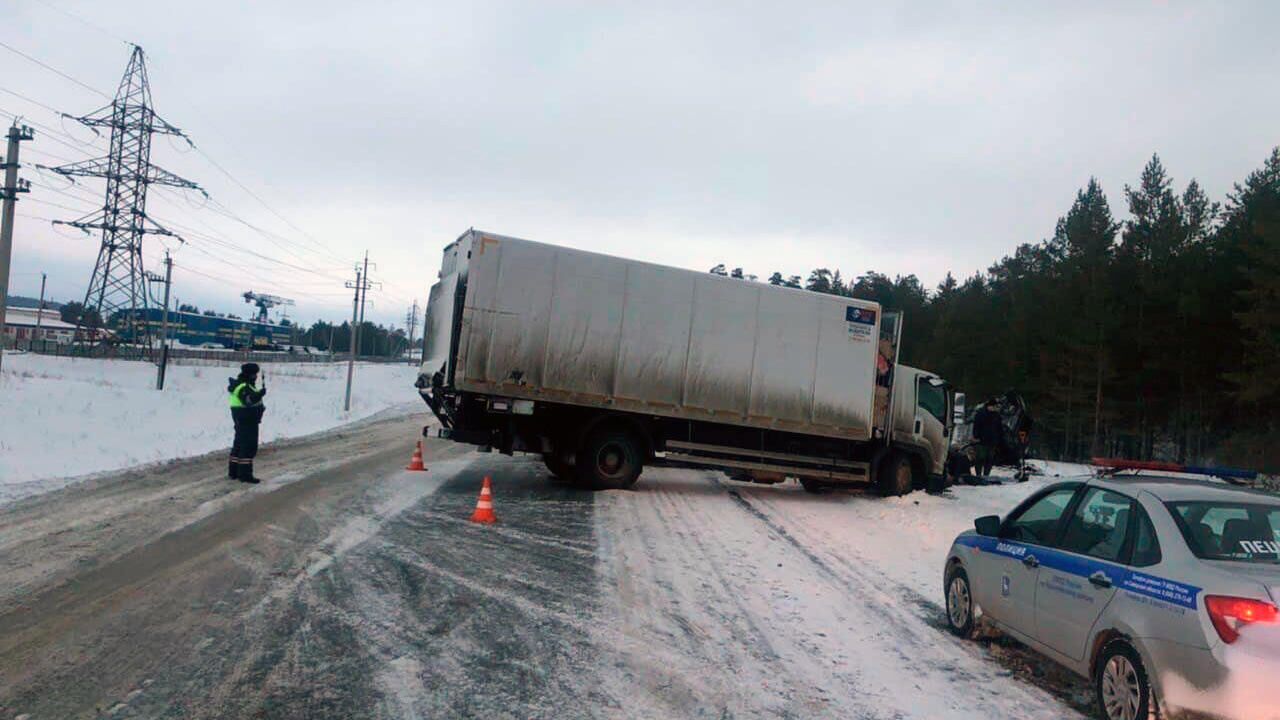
(1121,684)
(959,602)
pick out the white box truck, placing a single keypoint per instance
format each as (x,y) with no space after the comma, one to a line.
(604,365)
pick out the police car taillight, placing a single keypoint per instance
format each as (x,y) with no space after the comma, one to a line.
(1229,614)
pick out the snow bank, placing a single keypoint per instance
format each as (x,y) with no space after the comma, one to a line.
(62,417)
(906,538)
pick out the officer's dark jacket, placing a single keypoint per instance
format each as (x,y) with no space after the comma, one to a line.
(987,427)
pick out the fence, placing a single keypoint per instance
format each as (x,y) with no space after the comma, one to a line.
(137,352)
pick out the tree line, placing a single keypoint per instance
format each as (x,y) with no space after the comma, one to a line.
(1155,337)
(375,340)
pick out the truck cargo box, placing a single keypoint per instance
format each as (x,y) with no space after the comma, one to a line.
(532,321)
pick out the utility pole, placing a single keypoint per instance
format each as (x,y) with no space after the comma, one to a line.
(40,308)
(413,325)
(162,365)
(9,193)
(355,329)
(361,286)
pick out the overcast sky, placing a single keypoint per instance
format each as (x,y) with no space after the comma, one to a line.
(916,138)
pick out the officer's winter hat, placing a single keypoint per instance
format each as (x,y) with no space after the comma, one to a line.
(249,369)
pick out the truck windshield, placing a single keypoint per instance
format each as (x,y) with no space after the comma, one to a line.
(1241,532)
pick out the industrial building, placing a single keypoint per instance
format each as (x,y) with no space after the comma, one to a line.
(24,324)
(196,330)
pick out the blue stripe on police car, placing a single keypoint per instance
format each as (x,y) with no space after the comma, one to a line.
(1138,583)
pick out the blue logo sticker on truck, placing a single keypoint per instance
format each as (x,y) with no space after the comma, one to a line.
(859,315)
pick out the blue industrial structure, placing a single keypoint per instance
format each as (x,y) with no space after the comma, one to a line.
(202,330)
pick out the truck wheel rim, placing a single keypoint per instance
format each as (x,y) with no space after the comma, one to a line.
(958,602)
(904,475)
(1121,692)
(610,460)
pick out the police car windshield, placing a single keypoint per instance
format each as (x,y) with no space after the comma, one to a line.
(1241,532)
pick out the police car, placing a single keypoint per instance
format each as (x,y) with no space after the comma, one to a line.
(1144,583)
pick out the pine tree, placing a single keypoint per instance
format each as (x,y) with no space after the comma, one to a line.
(1253,220)
(819,281)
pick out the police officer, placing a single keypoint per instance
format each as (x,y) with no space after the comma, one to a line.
(987,430)
(246,412)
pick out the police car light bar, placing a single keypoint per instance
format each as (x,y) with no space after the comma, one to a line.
(1115,464)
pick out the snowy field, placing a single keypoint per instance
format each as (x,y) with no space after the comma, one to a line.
(64,418)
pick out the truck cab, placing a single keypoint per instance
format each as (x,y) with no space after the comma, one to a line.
(923,410)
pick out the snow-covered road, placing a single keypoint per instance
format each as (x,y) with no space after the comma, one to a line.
(771,601)
(346,587)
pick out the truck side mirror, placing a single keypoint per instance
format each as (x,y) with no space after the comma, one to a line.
(987,525)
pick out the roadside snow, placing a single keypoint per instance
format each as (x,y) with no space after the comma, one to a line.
(63,418)
(906,538)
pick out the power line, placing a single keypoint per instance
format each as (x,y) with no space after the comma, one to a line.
(56,112)
(64,193)
(223,210)
(255,196)
(53,69)
(50,155)
(62,207)
(48,129)
(20,96)
(213,205)
(82,19)
(232,246)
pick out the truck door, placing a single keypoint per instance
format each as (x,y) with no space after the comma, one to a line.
(931,428)
(886,372)
(1078,583)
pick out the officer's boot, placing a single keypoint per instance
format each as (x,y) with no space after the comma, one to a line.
(233,468)
(246,472)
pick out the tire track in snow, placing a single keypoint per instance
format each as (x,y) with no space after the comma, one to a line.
(687,576)
(704,554)
(853,572)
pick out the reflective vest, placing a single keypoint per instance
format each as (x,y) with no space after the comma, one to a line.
(235,400)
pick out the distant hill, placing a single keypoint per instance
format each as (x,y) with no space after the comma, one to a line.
(23,301)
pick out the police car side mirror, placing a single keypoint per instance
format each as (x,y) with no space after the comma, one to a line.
(987,525)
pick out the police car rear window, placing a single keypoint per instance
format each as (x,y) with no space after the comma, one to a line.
(1242,532)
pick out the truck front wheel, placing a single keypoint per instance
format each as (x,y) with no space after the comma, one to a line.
(610,459)
(897,476)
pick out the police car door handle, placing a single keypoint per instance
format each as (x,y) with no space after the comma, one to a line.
(1100,579)
(1031,561)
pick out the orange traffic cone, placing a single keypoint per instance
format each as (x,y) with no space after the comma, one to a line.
(416,462)
(484,506)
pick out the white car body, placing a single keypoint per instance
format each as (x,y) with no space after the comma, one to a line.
(1068,605)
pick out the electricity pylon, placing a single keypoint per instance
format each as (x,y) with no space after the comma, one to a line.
(117,290)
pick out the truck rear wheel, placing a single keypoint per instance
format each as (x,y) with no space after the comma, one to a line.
(558,467)
(897,475)
(610,459)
